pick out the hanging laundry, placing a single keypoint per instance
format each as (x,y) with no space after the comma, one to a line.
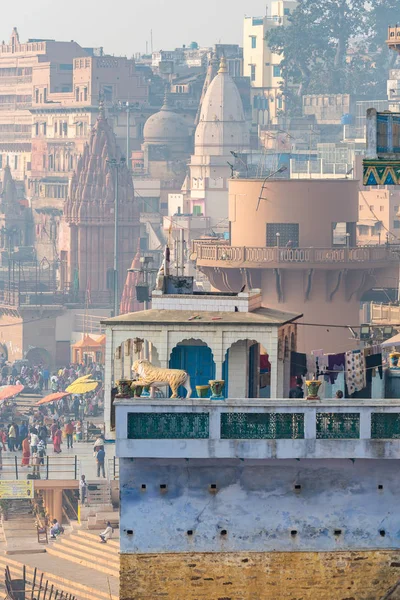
(355,371)
(311,365)
(336,363)
(298,364)
(371,363)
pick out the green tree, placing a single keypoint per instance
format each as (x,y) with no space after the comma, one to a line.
(335,46)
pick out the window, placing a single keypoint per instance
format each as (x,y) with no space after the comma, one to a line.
(372,207)
(55,126)
(279,102)
(381,208)
(396,209)
(45,95)
(396,224)
(36,128)
(85,93)
(44,161)
(288,232)
(16,161)
(197,210)
(253,72)
(77,94)
(277,71)
(286,11)
(107,93)
(51,162)
(44,128)
(253,41)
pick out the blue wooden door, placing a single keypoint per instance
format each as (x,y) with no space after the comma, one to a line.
(197,361)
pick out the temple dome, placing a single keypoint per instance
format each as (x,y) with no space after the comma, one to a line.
(166,127)
(222,126)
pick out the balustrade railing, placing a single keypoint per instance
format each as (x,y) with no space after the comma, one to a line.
(239,254)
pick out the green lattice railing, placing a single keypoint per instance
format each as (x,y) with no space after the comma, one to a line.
(179,426)
(262,426)
(338,426)
(385,426)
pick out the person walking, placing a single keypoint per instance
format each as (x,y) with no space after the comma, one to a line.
(83,489)
(12,438)
(26,452)
(106,534)
(69,432)
(100,458)
(57,439)
(34,439)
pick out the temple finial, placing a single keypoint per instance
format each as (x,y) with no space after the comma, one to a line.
(223,67)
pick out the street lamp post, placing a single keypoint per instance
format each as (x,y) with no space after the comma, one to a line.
(115,167)
(278,239)
(128,130)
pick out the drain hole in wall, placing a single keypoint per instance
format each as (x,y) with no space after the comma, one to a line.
(293,533)
(129,532)
(224,532)
(338,532)
(143,486)
(163,486)
(297,487)
(382,532)
(380,487)
(213,486)
(190,532)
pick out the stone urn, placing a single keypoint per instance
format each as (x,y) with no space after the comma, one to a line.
(312,389)
(202,391)
(394,360)
(136,390)
(124,388)
(217,385)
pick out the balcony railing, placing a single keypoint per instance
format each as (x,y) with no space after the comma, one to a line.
(258,429)
(240,254)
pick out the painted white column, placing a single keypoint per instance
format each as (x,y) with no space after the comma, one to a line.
(238,370)
(365,423)
(310,423)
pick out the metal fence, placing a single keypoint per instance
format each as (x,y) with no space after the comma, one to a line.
(32,587)
(53,467)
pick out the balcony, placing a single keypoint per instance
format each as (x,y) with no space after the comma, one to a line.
(258,429)
(393,40)
(220,255)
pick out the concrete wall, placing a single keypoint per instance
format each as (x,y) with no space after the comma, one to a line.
(314,204)
(259,576)
(257,504)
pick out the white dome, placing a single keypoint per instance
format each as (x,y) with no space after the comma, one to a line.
(165,126)
(222,126)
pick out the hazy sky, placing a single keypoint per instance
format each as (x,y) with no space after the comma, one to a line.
(123,26)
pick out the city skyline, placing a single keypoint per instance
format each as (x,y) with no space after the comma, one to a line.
(92,28)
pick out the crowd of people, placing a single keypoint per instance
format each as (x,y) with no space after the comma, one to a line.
(37,379)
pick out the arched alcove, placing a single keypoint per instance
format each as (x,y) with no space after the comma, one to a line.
(196,358)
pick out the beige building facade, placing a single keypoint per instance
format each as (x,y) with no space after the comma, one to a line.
(262,65)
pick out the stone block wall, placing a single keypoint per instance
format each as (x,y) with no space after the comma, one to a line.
(259,576)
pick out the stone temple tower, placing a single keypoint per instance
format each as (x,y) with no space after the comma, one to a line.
(89,212)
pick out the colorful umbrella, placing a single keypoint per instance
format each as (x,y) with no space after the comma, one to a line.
(52,398)
(84,378)
(82,387)
(10,391)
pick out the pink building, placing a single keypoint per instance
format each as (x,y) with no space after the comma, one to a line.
(296,241)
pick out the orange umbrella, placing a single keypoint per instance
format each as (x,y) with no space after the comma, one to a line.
(52,398)
(10,390)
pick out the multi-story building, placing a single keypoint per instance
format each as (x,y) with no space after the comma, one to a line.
(241,496)
(262,65)
(20,65)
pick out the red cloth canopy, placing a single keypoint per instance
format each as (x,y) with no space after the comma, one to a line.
(10,391)
(52,398)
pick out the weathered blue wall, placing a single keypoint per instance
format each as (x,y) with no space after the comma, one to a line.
(257,504)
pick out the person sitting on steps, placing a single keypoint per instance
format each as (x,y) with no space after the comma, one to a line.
(106,534)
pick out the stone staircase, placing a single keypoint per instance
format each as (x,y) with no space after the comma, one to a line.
(84,548)
(19,526)
(82,583)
